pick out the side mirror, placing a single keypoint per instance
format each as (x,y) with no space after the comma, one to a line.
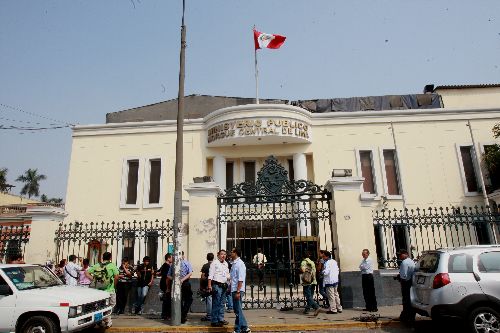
(5,290)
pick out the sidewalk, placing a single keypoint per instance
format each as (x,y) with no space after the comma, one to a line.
(264,320)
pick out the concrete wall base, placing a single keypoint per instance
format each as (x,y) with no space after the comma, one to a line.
(387,290)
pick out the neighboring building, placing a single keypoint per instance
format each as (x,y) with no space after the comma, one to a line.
(11,199)
(411,151)
(23,226)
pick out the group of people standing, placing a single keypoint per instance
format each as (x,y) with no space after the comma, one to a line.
(327,275)
(223,280)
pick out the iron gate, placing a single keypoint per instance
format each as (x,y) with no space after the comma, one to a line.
(282,219)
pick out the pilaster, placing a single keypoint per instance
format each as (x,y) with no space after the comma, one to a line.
(203,235)
(352,223)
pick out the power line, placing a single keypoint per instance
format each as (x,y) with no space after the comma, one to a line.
(33,114)
(33,128)
(23,121)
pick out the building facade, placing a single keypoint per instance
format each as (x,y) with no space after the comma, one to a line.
(370,156)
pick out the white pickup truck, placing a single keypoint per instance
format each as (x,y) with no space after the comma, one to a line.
(34,300)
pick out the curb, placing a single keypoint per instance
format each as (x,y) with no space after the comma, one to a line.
(261,328)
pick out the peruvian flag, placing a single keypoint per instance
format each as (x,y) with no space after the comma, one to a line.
(267,41)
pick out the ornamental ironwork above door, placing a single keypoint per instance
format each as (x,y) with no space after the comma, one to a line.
(272,183)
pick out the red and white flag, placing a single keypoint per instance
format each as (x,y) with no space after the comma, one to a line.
(269,41)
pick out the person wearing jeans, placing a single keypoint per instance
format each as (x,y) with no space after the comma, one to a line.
(238,277)
(145,275)
(218,277)
(186,291)
(309,287)
(204,287)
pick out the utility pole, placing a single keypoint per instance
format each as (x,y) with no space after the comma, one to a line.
(179,155)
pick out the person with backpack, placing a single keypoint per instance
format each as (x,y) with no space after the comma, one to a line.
(72,271)
(145,276)
(309,283)
(104,276)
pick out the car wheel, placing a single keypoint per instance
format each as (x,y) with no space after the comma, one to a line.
(484,320)
(39,324)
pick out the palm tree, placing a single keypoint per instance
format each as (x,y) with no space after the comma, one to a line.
(3,179)
(31,180)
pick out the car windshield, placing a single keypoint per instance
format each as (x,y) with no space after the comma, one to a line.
(31,277)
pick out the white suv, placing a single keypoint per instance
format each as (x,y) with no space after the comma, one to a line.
(460,282)
(33,299)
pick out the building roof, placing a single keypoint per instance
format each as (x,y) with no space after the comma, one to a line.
(199,106)
(468,86)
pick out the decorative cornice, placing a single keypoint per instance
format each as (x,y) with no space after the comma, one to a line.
(209,189)
(344,184)
(257,107)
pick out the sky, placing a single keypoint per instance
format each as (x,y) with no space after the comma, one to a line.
(70,62)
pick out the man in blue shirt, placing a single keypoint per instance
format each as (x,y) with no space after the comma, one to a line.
(238,277)
(186,292)
(405,277)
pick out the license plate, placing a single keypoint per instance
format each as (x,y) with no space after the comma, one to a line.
(98,317)
(420,279)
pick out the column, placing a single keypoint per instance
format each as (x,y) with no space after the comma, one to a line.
(352,223)
(44,224)
(220,171)
(220,179)
(203,235)
(300,173)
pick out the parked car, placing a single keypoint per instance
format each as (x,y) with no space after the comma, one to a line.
(462,283)
(33,299)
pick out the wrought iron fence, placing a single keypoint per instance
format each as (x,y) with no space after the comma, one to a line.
(13,240)
(123,239)
(417,230)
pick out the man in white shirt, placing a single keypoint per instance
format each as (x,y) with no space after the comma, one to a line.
(331,282)
(406,270)
(366,268)
(218,278)
(260,260)
(72,271)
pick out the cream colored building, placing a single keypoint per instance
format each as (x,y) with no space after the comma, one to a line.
(404,151)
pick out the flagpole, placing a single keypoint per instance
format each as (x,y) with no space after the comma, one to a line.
(256,79)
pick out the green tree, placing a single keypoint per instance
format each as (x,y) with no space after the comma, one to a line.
(3,179)
(491,158)
(44,198)
(55,200)
(31,180)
